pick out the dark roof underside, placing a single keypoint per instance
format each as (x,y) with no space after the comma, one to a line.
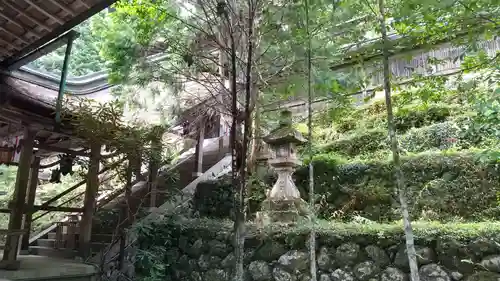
(27,25)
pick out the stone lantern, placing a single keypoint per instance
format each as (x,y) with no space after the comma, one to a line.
(283,201)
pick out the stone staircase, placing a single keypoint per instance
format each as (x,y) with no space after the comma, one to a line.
(60,240)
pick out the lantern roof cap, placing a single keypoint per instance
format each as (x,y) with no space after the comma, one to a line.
(285,133)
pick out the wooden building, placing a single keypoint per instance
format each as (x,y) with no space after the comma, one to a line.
(30,126)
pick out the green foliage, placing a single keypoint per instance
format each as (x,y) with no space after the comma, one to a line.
(45,191)
(153,259)
(461,186)
(416,117)
(371,232)
(214,199)
(85,58)
(358,143)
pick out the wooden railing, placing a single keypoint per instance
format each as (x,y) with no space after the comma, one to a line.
(116,248)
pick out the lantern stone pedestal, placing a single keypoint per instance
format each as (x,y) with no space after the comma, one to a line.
(283,203)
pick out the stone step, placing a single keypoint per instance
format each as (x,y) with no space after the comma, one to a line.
(50,243)
(54,253)
(103,238)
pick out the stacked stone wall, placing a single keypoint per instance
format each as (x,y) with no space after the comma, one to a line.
(207,255)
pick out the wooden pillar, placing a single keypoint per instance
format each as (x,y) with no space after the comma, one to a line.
(127,250)
(18,205)
(198,160)
(222,133)
(137,165)
(154,167)
(35,168)
(131,208)
(90,199)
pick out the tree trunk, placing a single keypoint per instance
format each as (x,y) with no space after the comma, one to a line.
(239,220)
(256,142)
(400,181)
(312,234)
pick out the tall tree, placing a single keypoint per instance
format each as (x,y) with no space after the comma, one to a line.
(400,179)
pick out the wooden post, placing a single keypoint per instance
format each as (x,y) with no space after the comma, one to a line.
(137,165)
(222,133)
(10,253)
(127,251)
(154,167)
(90,199)
(128,191)
(35,168)
(198,160)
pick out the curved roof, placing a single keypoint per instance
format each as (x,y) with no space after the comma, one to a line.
(28,25)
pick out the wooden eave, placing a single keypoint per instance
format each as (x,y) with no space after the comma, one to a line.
(28,25)
(21,108)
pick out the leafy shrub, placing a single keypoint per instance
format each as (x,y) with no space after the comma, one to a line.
(467,187)
(214,199)
(405,117)
(437,136)
(358,143)
(416,116)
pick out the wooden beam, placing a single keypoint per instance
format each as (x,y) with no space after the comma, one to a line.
(35,168)
(26,29)
(36,208)
(9,260)
(62,7)
(12,231)
(14,35)
(90,199)
(45,12)
(16,8)
(50,165)
(59,31)
(18,117)
(84,3)
(60,195)
(54,45)
(42,146)
(15,47)
(58,209)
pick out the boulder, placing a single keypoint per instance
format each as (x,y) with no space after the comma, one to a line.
(216,275)
(206,262)
(324,277)
(294,260)
(324,259)
(365,270)
(270,251)
(342,275)
(218,248)
(347,254)
(260,271)
(393,274)
(425,255)
(454,254)
(377,255)
(196,249)
(229,261)
(455,275)
(195,276)
(281,274)
(491,263)
(483,276)
(482,247)
(433,272)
